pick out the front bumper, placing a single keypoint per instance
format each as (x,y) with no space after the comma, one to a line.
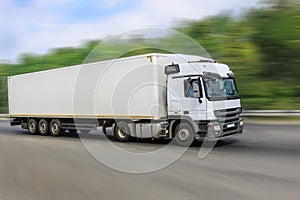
(217,130)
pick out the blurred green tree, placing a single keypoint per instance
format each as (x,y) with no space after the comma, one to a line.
(262,47)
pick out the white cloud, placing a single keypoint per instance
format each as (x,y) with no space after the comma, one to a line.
(38,25)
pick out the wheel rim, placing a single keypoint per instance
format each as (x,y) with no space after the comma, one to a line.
(43,127)
(183,134)
(122,134)
(32,127)
(54,128)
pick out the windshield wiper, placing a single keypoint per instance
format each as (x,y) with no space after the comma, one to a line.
(233,97)
(218,98)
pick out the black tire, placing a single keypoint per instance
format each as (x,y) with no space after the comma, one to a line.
(32,126)
(55,128)
(122,132)
(43,127)
(185,134)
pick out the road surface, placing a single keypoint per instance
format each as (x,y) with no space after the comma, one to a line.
(264,163)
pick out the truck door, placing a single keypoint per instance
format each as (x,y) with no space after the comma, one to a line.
(186,97)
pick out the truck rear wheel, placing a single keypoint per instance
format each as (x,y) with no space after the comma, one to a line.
(43,127)
(184,134)
(122,132)
(55,129)
(32,126)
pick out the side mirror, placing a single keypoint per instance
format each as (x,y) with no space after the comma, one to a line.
(172,69)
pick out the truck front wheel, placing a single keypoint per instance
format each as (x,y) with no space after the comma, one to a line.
(122,132)
(184,134)
(55,129)
(32,126)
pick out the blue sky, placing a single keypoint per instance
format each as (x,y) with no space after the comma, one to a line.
(35,26)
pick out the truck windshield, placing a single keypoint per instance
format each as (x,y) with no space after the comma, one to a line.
(220,89)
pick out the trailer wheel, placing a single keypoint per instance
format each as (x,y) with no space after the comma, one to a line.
(55,129)
(184,134)
(32,126)
(122,132)
(43,127)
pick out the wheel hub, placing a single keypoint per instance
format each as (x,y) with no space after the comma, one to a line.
(54,128)
(32,126)
(122,133)
(43,127)
(183,134)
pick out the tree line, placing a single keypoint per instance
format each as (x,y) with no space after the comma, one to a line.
(262,48)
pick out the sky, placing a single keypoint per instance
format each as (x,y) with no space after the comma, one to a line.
(35,26)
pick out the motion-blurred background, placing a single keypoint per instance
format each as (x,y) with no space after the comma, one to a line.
(260,40)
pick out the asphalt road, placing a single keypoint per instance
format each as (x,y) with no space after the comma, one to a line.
(264,163)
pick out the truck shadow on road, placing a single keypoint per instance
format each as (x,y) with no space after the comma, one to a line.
(96,136)
(156,142)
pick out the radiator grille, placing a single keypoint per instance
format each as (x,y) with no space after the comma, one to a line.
(229,118)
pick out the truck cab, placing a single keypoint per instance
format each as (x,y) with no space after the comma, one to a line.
(204,95)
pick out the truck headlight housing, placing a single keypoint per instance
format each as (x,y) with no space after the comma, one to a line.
(241,123)
(217,128)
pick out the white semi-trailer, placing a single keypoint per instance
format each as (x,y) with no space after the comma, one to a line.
(169,96)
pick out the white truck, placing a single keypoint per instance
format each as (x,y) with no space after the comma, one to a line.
(178,96)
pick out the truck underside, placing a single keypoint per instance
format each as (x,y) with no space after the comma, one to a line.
(183,129)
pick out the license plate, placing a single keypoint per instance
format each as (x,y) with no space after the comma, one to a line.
(230,125)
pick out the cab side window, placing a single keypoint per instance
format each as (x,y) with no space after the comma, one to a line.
(192,88)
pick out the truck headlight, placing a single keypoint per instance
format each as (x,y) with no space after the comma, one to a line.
(217,128)
(241,123)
